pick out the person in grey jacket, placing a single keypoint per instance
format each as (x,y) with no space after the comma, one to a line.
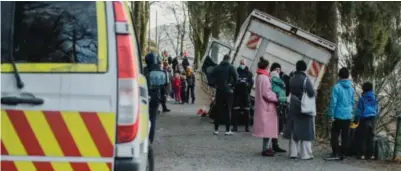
(300,128)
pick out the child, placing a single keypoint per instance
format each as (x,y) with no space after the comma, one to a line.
(366,114)
(183,88)
(176,87)
(278,86)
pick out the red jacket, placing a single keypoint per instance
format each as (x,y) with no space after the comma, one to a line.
(176,82)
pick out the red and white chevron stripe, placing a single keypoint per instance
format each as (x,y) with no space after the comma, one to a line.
(253,41)
(315,68)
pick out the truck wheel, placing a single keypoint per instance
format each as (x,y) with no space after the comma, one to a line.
(150,165)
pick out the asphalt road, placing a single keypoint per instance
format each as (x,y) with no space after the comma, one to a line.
(185,142)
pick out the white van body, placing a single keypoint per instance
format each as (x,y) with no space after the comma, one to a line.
(262,35)
(74,109)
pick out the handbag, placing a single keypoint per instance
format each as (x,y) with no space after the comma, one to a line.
(308,104)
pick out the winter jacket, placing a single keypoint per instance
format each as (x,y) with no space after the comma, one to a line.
(225,77)
(183,83)
(265,119)
(367,106)
(342,100)
(245,81)
(185,63)
(176,82)
(278,87)
(191,80)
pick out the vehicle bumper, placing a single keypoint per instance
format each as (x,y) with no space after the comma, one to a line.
(122,164)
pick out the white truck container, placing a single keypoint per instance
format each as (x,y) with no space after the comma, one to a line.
(262,35)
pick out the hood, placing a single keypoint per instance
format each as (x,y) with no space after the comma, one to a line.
(345,83)
(368,95)
(224,63)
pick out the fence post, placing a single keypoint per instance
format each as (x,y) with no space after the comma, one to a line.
(397,144)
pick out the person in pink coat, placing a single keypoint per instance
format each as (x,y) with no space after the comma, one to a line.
(265,112)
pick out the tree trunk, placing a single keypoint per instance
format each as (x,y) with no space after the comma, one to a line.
(144,18)
(326,19)
(241,15)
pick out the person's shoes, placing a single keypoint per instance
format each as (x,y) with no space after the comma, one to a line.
(216,132)
(279,150)
(247,130)
(310,158)
(166,110)
(229,133)
(293,158)
(268,153)
(362,158)
(234,130)
(332,157)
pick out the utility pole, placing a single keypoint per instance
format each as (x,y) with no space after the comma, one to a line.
(149,32)
(157,39)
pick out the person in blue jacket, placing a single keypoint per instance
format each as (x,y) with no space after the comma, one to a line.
(366,114)
(340,113)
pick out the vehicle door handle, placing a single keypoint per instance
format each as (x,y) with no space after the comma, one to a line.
(144,101)
(16,100)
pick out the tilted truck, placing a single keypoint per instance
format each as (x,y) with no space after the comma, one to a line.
(262,35)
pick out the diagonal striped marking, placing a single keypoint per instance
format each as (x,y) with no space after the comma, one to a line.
(80,166)
(60,131)
(25,166)
(9,137)
(95,166)
(43,166)
(3,149)
(109,166)
(44,133)
(24,132)
(98,133)
(108,121)
(62,166)
(80,134)
(28,139)
(8,166)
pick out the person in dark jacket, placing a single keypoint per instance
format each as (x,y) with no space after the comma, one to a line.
(156,80)
(300,127)
(175,64)
(166,89)
(242,96)
(366,114)
(185,63)
(225,80)
(191,85)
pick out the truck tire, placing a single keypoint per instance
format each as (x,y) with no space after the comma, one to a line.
(150,165)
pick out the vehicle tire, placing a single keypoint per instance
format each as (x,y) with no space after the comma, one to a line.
(150,165)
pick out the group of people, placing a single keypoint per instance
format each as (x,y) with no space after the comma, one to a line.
(162,83)
(183,81)
(278,108)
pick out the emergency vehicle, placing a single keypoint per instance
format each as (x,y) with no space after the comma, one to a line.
(73,97)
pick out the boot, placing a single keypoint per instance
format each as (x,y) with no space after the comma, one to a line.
(268,153)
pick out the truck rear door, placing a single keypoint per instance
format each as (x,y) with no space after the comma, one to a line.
(277,41)
(62,114)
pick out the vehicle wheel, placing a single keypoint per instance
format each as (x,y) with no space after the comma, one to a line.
(150,165)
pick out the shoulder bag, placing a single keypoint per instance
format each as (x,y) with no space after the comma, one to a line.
(308,104)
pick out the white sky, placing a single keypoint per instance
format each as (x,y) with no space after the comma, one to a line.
(164,16)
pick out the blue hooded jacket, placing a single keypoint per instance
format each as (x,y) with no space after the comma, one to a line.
(342,100)
(367,106)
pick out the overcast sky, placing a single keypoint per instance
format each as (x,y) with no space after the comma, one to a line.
(164,16)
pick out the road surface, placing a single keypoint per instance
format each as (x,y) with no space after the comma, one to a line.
(185,142)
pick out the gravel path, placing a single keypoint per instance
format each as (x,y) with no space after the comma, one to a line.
(184,142)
